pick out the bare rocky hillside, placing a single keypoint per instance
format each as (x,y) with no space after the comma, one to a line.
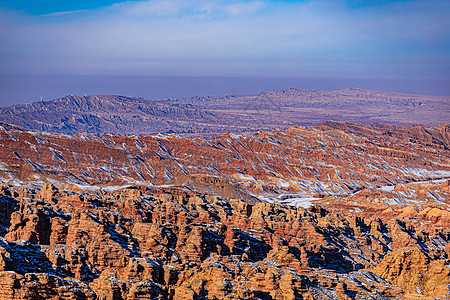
(339,211)
(211,116)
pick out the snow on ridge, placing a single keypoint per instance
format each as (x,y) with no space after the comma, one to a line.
(427,173)
(297,200)
(245,177)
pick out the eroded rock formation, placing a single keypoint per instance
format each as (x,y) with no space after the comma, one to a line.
(340,211)
(161,243)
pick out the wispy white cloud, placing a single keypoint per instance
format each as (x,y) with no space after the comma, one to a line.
(232,9)
(154,8)
(177,8)
(65,13)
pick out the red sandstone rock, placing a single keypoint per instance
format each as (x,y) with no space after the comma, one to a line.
(174,242)
(229,249)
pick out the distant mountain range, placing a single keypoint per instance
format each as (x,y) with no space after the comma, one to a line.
(210,116)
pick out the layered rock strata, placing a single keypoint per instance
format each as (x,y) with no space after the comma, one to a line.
(332,159)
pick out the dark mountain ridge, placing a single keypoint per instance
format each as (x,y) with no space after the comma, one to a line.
(101,114)
(213,115)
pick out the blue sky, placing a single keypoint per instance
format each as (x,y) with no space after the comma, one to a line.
(316,38)
(52,6)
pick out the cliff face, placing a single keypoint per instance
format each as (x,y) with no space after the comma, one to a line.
(339,211)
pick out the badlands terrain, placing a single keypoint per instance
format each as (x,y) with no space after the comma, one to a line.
(336,211)
(211,116)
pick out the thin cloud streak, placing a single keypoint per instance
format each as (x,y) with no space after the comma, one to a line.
(251,38)
(184,8)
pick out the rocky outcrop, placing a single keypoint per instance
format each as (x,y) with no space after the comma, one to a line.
(164,243)
(42,286)
(415,273)
(340,211)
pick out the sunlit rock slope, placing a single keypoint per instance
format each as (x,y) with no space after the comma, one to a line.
(338,211)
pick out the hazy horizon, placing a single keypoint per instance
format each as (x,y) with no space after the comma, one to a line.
(22,89)
(181,48)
